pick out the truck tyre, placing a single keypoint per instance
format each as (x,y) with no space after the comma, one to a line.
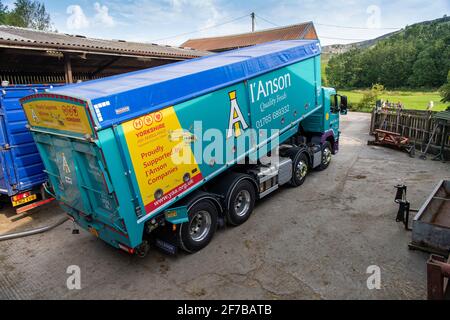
(199,231)
(241,203)
(326,156)
(300,170)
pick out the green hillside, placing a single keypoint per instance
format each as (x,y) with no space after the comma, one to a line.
(325,59)
(416,57)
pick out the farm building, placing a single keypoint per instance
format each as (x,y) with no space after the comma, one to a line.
(218,44)
(33,57)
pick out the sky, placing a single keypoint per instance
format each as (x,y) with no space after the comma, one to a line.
(174,21)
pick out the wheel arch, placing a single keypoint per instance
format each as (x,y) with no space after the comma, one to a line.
(228,184)
(295,153)
(332,141)
(197,196)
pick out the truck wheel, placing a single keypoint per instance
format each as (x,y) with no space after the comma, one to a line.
(300,170)
(241,203)
(326,156)
(199,231)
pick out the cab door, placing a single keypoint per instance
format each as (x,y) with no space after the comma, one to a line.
(333,121)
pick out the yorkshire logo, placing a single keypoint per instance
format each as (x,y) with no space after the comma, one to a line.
(237,121)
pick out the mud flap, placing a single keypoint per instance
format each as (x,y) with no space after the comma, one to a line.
(165,239)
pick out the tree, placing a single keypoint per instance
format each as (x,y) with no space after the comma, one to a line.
(343,71)
(415,57)
(445,90)
(27,14)
(430,68)
(3,13)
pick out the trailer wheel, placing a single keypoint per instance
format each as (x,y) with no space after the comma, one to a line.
(199,231)
(326,156)
(300,170)
(241,203)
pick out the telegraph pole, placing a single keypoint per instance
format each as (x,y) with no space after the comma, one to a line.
(253,21)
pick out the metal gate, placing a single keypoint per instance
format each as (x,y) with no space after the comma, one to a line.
(414,124)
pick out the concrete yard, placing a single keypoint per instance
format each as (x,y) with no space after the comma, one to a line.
(314,242)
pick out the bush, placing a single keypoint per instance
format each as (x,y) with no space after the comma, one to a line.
(445,90)
(369,99)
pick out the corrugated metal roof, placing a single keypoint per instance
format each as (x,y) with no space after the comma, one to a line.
(293,32)
(13,36)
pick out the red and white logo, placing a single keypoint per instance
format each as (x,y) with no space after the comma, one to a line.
(158,116)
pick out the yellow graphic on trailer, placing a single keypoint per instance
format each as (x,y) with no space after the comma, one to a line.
(57,115)
(237,121)
(156,142)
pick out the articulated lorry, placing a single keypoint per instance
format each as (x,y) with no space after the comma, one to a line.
(164,156)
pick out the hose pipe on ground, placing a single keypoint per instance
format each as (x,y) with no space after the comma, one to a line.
(32,232)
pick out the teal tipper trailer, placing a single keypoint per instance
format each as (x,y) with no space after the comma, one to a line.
(164,156)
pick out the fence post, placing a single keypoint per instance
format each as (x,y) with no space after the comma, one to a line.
(428,128)
(372,121)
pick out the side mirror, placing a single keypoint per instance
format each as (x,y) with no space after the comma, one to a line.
(344,105)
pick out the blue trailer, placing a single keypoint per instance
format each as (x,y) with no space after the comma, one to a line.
(165,155)
(22,171)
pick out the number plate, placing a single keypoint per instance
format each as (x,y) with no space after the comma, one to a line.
(25,200)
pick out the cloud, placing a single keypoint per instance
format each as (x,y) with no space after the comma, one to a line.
(159,19)
(171,21)
(102,15)
(77,19)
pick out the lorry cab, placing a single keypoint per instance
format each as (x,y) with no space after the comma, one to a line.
(323,125)
(332,110)
(334,105)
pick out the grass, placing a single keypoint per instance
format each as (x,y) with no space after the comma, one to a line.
(413,100)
